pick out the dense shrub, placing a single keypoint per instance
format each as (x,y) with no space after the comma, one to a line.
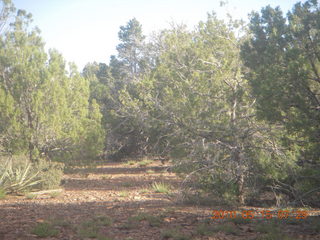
(50,174)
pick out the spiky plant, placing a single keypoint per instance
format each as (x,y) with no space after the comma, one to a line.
(15,179)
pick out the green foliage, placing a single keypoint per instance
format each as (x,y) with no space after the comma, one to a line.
(287,91)
(43,111)
(205,230)
(54,194)
(44,230)
(18,174)
(18,178)
(60,222)
(30,196)
(196,106)
(50,174)
(227,228)
(144,163)
(130,50)
(127,184)
(125,134)
(93,143)
(154,221)
(131,162)
(2,193)
(130,224)
(236,114)
(103,220)
(161,187)
(144,190)
(123,194)
(90,229)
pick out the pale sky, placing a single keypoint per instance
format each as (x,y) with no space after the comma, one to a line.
(87,30)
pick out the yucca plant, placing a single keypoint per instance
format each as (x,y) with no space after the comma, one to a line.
(17,179)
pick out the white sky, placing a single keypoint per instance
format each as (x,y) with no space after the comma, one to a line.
(87,30)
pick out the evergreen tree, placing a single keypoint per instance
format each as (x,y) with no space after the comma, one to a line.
(44,111)
(130,50)
(283,57)
(199,99)
(125,137)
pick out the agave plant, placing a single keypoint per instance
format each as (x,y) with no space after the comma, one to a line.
(19,178)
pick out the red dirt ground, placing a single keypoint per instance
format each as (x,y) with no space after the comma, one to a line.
(121,191)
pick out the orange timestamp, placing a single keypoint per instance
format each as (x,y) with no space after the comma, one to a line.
(264,214)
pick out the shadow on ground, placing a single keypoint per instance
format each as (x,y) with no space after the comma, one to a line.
(162,219)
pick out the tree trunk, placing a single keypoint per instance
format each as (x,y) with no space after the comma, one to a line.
(240,189)
(240,176)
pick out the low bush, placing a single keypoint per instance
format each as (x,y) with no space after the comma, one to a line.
(153,220)
(50,174)
(88,230)
(44,230)
(161,187)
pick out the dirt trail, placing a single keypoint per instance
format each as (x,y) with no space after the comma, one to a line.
(120,192)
